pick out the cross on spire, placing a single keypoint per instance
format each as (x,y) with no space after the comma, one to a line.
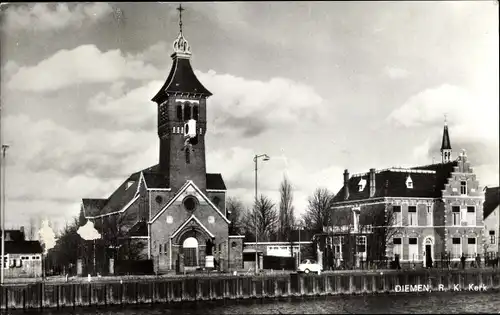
(180,9)
(445,122)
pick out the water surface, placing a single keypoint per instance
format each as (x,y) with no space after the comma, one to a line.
(438,302)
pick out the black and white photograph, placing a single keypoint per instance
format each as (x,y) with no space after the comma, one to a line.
(295,157)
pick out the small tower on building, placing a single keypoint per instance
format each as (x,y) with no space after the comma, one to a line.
(445,144)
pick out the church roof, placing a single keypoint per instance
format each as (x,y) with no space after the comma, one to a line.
(445,144)
(23,247)
(491,200)
(215,182)
(181,79)
(126,192)
(427,182)
(139,229)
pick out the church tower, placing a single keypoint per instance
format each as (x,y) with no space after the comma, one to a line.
(182,119)
(445,144)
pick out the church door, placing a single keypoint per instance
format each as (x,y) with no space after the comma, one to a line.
(190,247)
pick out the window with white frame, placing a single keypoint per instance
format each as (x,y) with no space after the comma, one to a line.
(471,247)
(361,245)
(397,216)
(409,182)
(455,212)
(397,246)
(471,216)
(456,247)
(463,187)
(362,184)
(430,216)
(412,216)
(413,248)
(492,237)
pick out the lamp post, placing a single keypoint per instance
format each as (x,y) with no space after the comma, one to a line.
(2,204)
(264,157)
(299,227)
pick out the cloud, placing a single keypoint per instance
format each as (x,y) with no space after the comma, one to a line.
(472,121)
(396,73)
(47,17)
(94,153)
(239,175)
(81,65)
(130,109)
(253,106)
(248,107)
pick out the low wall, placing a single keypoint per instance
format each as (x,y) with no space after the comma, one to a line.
(59,295)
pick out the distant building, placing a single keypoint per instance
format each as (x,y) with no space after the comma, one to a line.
(424,214)
(299,240)
(175,211)
(492,219)
(22,258)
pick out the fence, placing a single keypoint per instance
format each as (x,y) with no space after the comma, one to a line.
(444,260)
(199,288)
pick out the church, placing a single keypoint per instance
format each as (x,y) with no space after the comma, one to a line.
(176,209)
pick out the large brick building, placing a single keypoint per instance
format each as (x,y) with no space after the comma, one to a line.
(424,214)
(175,210)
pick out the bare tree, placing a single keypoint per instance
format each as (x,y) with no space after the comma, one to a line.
(286,215)
(236,210)
(318,210)
(266,218)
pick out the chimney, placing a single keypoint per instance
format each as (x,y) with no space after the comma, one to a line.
(372,182)
(346,187)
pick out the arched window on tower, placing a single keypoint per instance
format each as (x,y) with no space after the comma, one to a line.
(187,111)
(179,111)
(195,112)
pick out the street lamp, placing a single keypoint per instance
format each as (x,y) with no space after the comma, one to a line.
(299,227)
(4,149)
(264,157)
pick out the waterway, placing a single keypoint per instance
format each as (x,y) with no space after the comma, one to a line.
(436,302)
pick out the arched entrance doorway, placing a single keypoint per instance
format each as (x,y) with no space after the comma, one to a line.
(428,252)
(190,249)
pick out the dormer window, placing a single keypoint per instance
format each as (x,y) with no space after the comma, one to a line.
(129,183)
(409,182)
(362,184)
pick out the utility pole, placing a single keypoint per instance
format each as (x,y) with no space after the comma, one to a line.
(2,203)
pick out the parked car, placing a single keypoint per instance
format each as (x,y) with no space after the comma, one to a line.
(308,266)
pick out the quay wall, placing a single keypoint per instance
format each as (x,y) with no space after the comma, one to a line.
(172,290)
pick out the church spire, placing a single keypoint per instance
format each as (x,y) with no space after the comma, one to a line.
(181,45)
(446,144)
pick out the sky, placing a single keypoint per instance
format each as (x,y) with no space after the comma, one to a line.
(318,86)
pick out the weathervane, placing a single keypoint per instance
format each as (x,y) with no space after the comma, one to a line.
(180,9)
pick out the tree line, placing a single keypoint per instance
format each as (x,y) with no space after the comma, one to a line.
(272,221)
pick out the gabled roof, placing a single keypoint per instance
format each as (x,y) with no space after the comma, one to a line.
(428,182)
(13,235)
(491,200)
(189,183)
(92,207)
(124,194)
(181,79)
(191,218)
(215,182)
(139,229)
(23,247)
